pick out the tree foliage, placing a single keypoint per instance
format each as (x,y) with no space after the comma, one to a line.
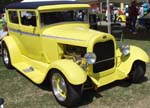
(3,3)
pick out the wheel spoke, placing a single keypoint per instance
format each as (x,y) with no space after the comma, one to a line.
(6,58)
(59,87)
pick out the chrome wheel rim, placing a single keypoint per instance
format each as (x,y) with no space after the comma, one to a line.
(5,56)
(59,87)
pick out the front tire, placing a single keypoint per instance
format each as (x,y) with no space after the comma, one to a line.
(6,56)
(137,72)
(65,93)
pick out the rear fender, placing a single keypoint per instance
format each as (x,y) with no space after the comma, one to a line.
(13,49)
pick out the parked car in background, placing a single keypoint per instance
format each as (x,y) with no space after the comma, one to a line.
(121,18)
(52,40)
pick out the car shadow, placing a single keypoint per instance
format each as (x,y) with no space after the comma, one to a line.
(44,86)
(90,95)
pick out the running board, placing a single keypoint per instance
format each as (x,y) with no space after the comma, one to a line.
(34,70)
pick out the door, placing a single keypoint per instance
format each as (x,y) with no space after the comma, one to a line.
(29,35)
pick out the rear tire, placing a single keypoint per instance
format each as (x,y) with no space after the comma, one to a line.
(6,56)
(65,93)
(137,72)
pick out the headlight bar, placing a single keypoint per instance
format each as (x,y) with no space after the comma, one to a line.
(90,57)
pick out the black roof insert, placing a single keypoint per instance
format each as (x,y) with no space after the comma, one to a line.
(34,5)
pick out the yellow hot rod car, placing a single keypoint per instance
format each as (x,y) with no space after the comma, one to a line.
(52,40)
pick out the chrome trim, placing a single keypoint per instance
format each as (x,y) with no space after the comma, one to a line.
(47,36)
(31,34)
(6,56)
(104,60)
(14,30)
(56,37)
(59,87)
(21,32)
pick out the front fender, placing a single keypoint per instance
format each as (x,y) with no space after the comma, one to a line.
(124,63)
(13,49)
(73,72)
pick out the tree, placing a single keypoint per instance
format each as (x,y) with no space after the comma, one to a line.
(3,3)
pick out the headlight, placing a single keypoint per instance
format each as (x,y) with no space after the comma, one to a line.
(125,50)
(90,57)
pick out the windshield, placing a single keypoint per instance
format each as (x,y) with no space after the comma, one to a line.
(48,18)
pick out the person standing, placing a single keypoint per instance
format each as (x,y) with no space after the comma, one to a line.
(133,13)
(141,11)
(145,7)
(116,13)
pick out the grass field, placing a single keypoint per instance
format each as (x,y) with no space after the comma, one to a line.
(19,92)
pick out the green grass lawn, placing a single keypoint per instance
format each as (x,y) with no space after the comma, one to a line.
(19,92)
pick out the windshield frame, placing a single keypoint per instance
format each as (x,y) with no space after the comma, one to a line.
(62,10)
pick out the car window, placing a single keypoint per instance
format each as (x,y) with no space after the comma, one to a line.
(64,16)
(13,17)
(28,18)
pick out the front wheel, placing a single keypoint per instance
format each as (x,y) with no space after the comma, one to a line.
(6,56)
(65,93)
(137,72)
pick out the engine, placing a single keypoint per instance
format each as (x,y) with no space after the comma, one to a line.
(74,52)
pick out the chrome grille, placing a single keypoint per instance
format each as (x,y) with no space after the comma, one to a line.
(105,56)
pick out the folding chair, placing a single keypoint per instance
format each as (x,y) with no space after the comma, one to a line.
(117,31)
